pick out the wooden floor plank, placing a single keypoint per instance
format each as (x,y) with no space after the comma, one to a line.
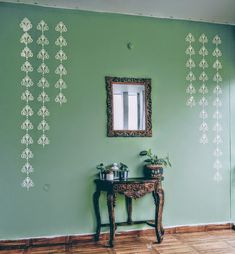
(211,242)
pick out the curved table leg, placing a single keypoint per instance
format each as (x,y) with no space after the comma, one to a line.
(129,209)
(114,205)
(96,196)
(110,203)
(158,195)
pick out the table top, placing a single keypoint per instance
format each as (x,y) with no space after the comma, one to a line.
(130,180)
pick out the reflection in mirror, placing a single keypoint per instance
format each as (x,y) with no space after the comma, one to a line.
(129,107)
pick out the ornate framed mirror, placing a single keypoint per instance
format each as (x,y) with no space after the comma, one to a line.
(129,107)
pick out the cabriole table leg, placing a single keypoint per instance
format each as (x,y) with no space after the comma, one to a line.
(96,196)
(110,203)
(158,195)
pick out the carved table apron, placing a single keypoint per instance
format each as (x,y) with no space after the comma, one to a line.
(131,188)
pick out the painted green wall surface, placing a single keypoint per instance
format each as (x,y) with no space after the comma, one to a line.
(61,201)
(232,125)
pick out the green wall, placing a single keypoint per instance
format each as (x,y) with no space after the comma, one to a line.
(61,201)
(232,129)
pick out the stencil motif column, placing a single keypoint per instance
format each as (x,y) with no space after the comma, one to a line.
(217,103)
(190,64)
(61,56)
(27,96)
(43,83)
(203,90)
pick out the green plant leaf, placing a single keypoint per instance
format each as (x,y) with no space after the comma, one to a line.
(168,161)
(149,152)
(143,153)
(153,158)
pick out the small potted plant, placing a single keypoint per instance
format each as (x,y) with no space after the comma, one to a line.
(101,169)
(106,172)
(115,168)
(123,171)
(109,174)
(154,165)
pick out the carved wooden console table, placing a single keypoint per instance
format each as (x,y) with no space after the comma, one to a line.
(131,188)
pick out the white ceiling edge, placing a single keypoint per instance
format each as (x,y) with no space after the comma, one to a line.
(202,11)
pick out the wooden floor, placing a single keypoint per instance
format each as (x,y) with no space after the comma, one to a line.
(218,242)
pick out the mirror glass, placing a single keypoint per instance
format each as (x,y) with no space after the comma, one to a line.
(128,107)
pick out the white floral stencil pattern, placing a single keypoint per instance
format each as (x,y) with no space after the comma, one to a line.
(43,69)
(203,90)
(27,97)
(217,115)
(26,25)
(61,56)
(190,64)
